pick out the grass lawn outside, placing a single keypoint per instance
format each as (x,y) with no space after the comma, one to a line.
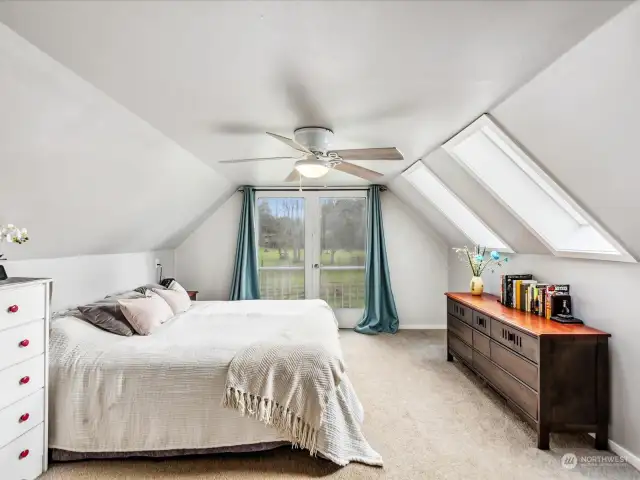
(339,288)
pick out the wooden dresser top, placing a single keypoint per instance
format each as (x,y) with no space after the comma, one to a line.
(490,305)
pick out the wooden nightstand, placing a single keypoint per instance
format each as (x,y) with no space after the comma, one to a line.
(193,294)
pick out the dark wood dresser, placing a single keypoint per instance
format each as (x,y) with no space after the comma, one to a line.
(555,376)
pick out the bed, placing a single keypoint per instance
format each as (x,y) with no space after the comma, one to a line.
(161,394)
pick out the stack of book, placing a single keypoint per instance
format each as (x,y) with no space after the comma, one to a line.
(523,292)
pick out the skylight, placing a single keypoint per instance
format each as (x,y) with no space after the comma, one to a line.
(452,207)
(522,186)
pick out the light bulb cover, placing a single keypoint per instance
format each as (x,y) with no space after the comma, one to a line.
(312,168)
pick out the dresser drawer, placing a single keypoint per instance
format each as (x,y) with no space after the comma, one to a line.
(22,458)
(21,343)
(481,322)
(518,393)
(520,368)
(482,343)
(458,347)
(458,310)
(21,380)
(20,417)
(21,305)
(461,329)
(517,341)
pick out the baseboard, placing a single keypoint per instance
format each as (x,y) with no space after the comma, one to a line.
(421,327)
(632,459)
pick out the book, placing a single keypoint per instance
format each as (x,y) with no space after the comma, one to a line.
(540,298)
(554,289)
(525,302)
(507,287)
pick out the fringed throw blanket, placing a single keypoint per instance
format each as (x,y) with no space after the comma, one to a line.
(284,386)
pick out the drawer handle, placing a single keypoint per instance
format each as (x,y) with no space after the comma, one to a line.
(24,343)
(23,454)
(24,417)
(24,380)
(13,308)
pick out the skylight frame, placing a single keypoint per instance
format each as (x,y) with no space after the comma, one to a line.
(453,197)
(544,182)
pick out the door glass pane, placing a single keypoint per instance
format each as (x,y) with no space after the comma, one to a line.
(281,248)
(342,240)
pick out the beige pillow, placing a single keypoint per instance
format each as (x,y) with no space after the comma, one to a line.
(146,314)
(179,301)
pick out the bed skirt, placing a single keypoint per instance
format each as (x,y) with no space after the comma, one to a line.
(58,455)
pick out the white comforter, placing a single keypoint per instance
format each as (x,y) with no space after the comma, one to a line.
(110,393)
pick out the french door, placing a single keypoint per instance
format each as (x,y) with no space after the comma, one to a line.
(311,244)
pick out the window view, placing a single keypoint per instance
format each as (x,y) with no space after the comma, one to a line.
(343,240)
(281,248)
(517,181)
(452,207)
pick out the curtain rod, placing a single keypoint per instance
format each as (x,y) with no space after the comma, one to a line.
(310,189)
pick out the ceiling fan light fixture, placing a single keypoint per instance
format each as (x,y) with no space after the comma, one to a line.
(312,168)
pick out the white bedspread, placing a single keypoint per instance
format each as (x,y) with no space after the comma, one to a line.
(110,393)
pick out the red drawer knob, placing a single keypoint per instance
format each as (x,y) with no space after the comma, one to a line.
(14,308)
(24,343)
(24,380)
(24,418)
(24,454)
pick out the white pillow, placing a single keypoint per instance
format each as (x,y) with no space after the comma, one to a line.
(179,301)
(146,314)
(176,287)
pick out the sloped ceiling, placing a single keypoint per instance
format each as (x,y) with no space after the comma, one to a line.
(579,119)
(84,174)
(124,156)
(213,76)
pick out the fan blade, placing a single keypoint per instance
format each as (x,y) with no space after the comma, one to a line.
(294,176)
(391,153)
(290,142)
(358,171)
(243,160)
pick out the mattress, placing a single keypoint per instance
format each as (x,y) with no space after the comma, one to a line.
(163,392)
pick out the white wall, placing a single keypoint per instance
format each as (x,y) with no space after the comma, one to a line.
(90,277)
(417,260)
(204,261)
(417,263)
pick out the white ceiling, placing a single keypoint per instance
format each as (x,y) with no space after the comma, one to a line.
(213,75)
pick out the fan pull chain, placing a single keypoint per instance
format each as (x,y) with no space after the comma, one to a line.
(299,183)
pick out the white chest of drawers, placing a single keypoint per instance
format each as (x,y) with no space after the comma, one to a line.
(24,371)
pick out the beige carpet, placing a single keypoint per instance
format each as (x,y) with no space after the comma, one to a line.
(427,418)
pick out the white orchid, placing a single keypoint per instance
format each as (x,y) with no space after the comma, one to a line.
(12,234)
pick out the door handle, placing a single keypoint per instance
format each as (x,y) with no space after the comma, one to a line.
(315,265)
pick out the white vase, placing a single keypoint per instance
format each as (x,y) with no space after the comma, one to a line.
(477,286)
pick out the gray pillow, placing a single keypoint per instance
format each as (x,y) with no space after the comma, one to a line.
(145,288)
(107,315)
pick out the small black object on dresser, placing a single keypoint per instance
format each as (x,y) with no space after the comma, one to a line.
(556,376)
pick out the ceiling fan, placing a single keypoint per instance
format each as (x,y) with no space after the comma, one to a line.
(317,159)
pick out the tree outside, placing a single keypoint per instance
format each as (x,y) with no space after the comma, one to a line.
(281,237)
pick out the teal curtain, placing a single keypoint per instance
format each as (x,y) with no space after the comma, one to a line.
(245,284)
(380,314)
